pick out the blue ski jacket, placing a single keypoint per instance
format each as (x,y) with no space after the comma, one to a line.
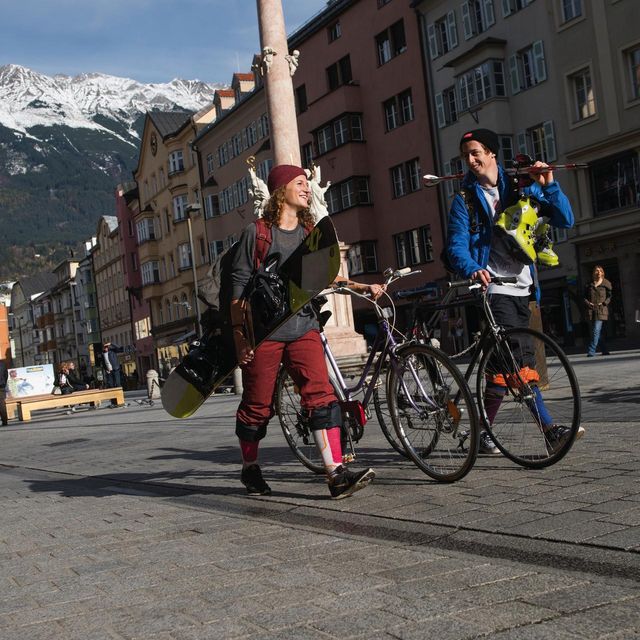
(469,240)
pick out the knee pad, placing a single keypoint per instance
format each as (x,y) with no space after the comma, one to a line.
(325,417)
(250,433)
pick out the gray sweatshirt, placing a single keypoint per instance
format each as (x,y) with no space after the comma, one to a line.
(282,242)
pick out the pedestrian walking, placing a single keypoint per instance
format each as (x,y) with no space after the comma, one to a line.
(597,298)
(296,344)
(476,250)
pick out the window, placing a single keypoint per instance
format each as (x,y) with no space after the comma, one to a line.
(442,35)
(480,84)
(150,272)
(362,258)
(179,208)
(216,247)
(446,107)
(633,61)
(506,150)
(211,206)
(414,247)
(398,110)
(571,9)
(453,167)
(391,42)
(134,261)
(583,98)
(346,128)
(210,163)
(477,16)
(349,193)
(176,162)
(615,182)
(306,153)
(301,99)
(334,31)
(405,178)
(145,230)
(513,6)
(184,256)
(539,142)
(527,68)
(339,73)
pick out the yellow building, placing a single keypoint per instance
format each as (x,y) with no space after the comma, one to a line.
(169,226)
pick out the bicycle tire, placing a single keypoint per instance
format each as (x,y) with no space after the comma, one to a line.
(517,428)
(440,431)
(383,414)
(294,425)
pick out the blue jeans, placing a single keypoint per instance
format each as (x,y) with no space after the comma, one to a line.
(597,338)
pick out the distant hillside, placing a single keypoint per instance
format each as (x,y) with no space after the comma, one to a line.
(65,143)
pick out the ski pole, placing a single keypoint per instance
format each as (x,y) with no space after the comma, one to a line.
(432,181)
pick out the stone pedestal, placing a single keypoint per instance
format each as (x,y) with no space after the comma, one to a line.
(340,332)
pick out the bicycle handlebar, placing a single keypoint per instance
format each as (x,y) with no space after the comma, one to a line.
(499,280)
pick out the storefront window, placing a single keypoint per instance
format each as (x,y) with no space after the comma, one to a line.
(616,182)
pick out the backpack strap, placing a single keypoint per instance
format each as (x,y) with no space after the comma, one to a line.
(468,198)
(264,239)
(263,242)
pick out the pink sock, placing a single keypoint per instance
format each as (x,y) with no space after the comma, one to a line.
(333,435)
(249,452)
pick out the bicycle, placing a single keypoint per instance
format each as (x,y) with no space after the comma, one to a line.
(429,402)
(508,391)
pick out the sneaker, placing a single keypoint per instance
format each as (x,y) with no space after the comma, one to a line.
(487,445)
(251,478)
(345,482)
(557,434)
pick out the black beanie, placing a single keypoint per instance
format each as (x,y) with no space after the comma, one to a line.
(484,136)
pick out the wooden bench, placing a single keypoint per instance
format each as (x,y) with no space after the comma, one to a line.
(92,397)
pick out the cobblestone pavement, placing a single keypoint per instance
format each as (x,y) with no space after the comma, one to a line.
(125,523)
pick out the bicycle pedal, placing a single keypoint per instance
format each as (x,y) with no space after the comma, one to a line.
(348,458)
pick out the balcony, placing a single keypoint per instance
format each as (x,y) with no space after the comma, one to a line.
(148,251)
(152,290)
(45,320)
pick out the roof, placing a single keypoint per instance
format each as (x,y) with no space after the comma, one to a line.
(243,76)
(39,283)
(225,92)
(169,122)
(111,222)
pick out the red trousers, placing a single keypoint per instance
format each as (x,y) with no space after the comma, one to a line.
(303,359)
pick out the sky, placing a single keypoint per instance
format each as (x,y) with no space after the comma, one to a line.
(146,40)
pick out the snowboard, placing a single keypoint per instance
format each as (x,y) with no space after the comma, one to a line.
(275,293)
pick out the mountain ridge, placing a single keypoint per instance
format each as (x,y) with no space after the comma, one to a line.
(65,144)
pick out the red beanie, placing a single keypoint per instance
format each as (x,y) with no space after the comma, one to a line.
(282,175)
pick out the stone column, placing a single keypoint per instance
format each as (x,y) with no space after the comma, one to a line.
(276,70)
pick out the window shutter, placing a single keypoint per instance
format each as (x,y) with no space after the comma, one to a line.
(521,141)
(451,29)
(440,115)
(513,74)
(506,8)
(433,42)
(549,141)
(538,61)
(466,21)
(489,16)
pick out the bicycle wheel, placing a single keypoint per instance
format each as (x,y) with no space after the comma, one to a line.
(528,398)
(433,413)
(383,413)
(294,425)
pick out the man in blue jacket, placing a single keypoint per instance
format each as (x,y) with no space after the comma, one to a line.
(475,251)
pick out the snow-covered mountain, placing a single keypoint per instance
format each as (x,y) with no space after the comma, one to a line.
(29,98)
(65,143)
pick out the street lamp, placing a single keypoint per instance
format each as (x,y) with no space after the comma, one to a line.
(189,209)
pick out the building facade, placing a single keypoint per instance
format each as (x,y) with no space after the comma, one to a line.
(521,68)
(170,231)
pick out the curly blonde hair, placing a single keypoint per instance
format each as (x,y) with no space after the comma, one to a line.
(275,205)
